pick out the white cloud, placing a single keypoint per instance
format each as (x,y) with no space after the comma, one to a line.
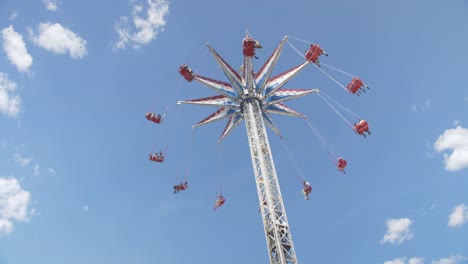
(14,203)
(22,161)
(459,216)
(398,230)
(36,170)
(15,48)
(52,171)
(456,140)
(60,40)
(395,261)
(450,260)
(414,260)
(51,5)
(10,103)
(142,30)
(13,15)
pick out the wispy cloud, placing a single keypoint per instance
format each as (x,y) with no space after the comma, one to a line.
(421,107)
(36,170)
(14,204)
(22,161)
(10,103)
(13,15)
(85,208)
(451,260)
(456,140)
(51,171)
(15,48)
(459,216)
(142,28)
(50,5)
(60,40)
(398,231)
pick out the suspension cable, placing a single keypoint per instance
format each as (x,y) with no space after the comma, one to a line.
(293,160)
(338,70)
(298,52)
(329,76)
(316,132)
(305,41)
(342,106)
(334,109)
(328,148)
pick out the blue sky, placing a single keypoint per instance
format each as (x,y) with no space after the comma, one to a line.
(77,77)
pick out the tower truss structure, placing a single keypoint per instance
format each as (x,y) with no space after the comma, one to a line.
(253,97)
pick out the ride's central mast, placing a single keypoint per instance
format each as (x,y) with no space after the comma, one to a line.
(275,222)
(252,97)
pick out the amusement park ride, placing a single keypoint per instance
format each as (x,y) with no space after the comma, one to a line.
(252,97)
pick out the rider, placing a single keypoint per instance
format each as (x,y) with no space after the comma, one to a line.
(306,190)
(341,164)
(219,202)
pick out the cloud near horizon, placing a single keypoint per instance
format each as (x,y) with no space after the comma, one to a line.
(414,260)
(451,260)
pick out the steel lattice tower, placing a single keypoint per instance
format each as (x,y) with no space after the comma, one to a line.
(252,97)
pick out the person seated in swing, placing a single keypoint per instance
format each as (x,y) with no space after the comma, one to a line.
(180,187)
(158,157)
(306,190)
(219,201)
(313,53)
(361,127)
(355,86)
(186,72)
(341,164)
(153,157)
(152,117)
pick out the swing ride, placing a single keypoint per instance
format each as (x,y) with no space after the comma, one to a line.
(157,156)
(219,201)
(183,185)
(154,118)
(252,97)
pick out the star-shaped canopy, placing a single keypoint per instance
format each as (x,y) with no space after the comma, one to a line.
(245,85)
